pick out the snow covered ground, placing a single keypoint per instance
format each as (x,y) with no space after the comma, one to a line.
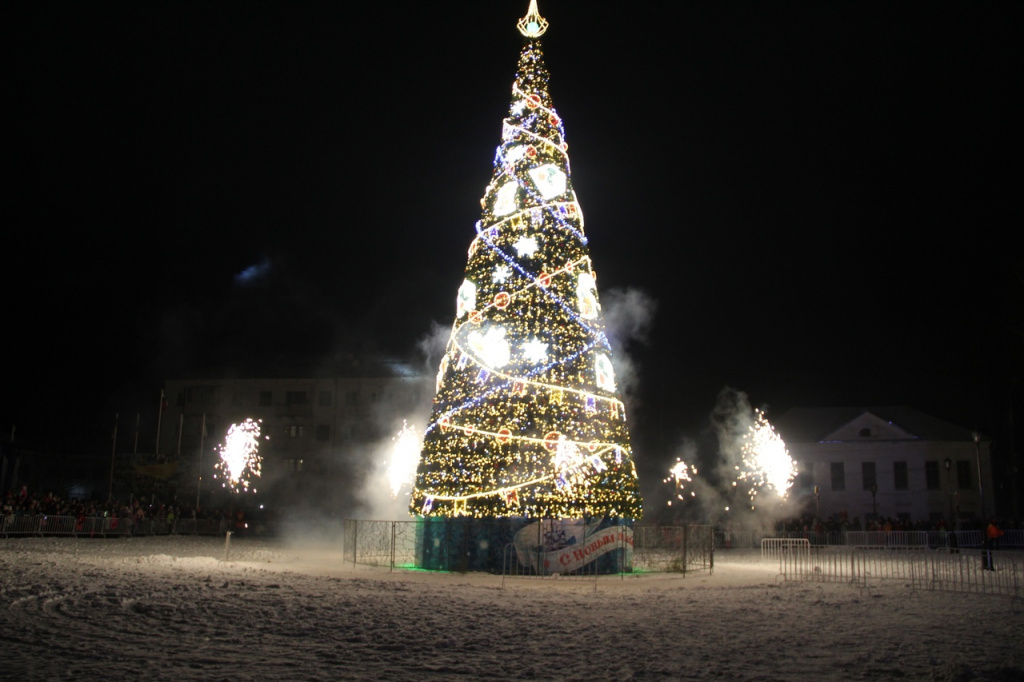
(172,608)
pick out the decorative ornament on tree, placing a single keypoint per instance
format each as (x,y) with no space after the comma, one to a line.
(505,199)
(501,274)
(535,351)
(526,246)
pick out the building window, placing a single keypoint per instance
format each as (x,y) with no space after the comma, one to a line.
(931,475)
(963,474)
(295,398)
(323,431)
(838,476)
(867,472)
(865,433)
(293,465)
(351,398)
(325,399)
(901,475)
(805,477)
(266,398)
(293,431)
(236,398)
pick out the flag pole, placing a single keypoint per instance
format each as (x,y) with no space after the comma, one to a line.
(159,417)
(113,449)
(181,425)
(3,464)
(199,479)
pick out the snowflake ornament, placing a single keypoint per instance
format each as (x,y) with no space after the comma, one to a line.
(535,351)
(501,274)
(526,246)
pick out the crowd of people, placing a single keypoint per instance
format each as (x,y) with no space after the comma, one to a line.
(843,523)
(22,502)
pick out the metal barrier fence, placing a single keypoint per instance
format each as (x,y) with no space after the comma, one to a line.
(956,570)
(392,544)
(750,539)
(656,548)
(379,543)
(513,567)
(673,549)
(105,526)
(775,547)
(895,538)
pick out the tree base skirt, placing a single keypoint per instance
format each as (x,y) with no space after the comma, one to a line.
(524,546)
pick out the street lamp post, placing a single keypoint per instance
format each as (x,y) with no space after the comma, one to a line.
(949,492)
(981,490)
(817,508)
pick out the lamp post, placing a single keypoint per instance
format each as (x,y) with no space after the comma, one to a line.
(981,490)
(956,497)
(948,463)
(817,508)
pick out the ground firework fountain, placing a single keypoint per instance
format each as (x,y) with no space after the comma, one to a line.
(679,476)
(743,483)
(239,465)
(401,468)
(766,462)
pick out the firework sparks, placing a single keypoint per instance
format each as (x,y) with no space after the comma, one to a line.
(405,456)
(766,461)
(680,475)
(239,456)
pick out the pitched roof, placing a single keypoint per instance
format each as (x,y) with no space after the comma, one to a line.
(813,424)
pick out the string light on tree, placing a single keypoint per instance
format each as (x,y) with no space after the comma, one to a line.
(527,420)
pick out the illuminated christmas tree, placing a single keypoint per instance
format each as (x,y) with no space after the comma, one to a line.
(527,420)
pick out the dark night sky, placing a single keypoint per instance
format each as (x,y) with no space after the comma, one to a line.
(821,197)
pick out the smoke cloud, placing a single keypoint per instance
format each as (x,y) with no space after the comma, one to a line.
(376,497)
(715,494)
(628,317)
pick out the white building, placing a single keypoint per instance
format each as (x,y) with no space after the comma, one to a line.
(890,461)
